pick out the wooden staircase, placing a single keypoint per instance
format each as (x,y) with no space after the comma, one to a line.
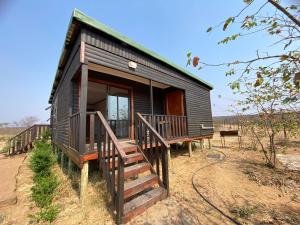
(23,141)
(136,176)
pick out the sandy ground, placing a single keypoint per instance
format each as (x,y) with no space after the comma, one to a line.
(241,186)
(9,167)
(17,176)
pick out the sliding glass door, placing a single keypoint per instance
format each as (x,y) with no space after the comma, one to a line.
(118,111)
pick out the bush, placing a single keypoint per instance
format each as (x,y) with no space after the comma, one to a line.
(47,214)
(46,135)
(45,181)
(42,159)
(43,190)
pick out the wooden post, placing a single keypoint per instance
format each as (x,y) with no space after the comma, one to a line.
(62,160)
(209,143)
(83,107)
(201,144)
(169,157)
(151,97)
(70,165)
(84,181)
(190,148)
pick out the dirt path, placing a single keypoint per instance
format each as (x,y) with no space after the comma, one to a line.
(9,167)
(16,181)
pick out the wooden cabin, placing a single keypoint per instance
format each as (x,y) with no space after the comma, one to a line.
(121,104)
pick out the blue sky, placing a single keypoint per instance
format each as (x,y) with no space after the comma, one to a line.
(32,35)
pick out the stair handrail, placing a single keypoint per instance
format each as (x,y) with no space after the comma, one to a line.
(112,136)
(17,136)
(156,134)
(164,147)
(23,131)
(112,178)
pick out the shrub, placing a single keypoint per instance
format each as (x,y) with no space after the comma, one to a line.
(43,190)
(243,211)
(45,181)
(47,214)
(46,135)
(42,159)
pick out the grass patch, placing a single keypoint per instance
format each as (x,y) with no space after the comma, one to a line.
(48,214)
(243,212)
(45,181)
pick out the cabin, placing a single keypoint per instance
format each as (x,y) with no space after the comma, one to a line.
(115,102)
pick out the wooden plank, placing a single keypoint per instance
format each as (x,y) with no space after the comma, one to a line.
(140,204)
(133,187)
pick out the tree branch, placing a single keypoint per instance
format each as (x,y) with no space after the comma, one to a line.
(284,11)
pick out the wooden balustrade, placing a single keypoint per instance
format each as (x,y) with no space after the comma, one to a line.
(112,158)
(23,141)
(168,126)
(74,131)
(154,148)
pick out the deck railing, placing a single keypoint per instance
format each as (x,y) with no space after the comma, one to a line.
(23,141)
(154,148)
(74,131)
(168,126)
(112,158)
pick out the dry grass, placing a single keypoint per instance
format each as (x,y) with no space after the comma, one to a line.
(242,186)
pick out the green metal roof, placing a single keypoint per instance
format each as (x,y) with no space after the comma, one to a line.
(83,18)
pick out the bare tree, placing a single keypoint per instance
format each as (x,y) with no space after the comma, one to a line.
(28,121)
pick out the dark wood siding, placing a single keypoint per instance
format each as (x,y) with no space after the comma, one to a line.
(141,93)
(107,52)
(63,97)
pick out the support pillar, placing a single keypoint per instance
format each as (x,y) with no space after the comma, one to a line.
(84,181)
(169,157)
(201,144)
(190,148)
(62,160)
(70,166)
(209,143)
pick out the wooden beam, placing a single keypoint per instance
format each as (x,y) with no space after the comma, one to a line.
(83,107)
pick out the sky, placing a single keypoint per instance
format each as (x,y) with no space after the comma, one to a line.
(33,32)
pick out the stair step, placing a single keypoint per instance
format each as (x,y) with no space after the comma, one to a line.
(140,204)
(126,150)
(133,170)
(136,186)
(135,157)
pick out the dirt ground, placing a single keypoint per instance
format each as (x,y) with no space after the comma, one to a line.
(16,182)
(237,183)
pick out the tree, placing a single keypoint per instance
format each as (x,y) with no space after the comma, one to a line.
(28,121)
(268,83)
(267,101)
(283,25)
